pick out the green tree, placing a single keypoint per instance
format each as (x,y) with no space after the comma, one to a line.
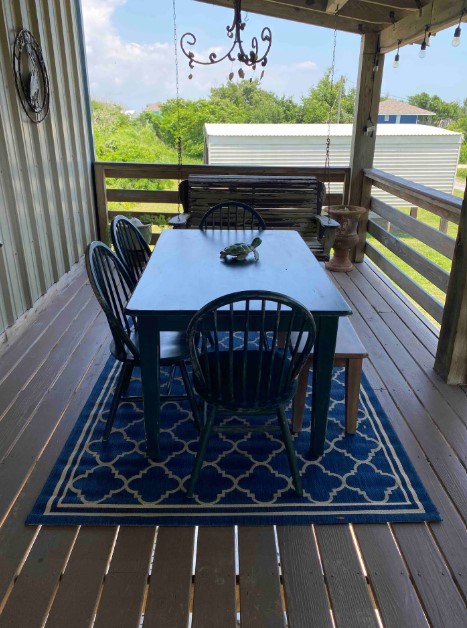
(243,102)
(322,102)
(446,112)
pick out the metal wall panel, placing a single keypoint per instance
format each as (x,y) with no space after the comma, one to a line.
(426,159)
(47,214)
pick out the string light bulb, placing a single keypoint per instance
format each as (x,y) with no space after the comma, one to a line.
(422,52)
(395,63)
(456,40)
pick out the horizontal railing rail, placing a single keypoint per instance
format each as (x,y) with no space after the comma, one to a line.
(106,171)
(383,218)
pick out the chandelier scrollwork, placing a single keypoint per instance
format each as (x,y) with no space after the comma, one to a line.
(250,59)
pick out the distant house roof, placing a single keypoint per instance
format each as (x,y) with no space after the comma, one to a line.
(155,107)
(313,130)
(390,106)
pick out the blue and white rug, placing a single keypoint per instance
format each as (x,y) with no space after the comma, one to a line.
(366,477)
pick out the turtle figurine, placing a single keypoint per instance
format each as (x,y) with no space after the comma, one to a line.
(240,250)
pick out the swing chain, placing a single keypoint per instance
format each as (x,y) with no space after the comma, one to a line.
(177,90)
(327,160)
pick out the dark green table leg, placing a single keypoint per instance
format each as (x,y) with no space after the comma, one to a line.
(325,346)
(149,346)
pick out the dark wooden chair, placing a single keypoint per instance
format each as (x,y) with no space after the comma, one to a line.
(247,349)
(130,247)
(232,215)
(112,286)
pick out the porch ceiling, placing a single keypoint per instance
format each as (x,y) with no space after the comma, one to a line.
(403,20)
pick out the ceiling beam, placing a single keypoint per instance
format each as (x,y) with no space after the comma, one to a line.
(436,15)
(405,5)
(335,5)
(301,14)
(354,9)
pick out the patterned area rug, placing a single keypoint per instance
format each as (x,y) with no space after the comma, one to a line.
(366,477)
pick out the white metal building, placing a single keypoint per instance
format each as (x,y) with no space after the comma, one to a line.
(424,154)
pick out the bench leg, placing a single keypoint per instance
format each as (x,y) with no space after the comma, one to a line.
(353,373)
(298,404)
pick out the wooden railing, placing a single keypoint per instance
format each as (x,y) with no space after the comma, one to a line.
(444,205)
(104,170)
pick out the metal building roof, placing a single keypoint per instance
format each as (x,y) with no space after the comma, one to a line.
(316,130)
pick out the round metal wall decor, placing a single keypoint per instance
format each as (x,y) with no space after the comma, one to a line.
(32,81)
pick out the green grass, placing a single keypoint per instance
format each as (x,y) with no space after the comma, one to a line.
(437,258)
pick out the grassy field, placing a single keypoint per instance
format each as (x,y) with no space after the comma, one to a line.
(443,262)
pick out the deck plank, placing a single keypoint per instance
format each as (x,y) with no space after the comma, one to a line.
(304,587)
(450,533)
(33,591)
(19,415)
(215,581)
(12,352)
(414,336)
(440,596)
(348,590)
(168,602)
(126,579)
(29,363)
(15,537)
(24,452)
(433,555)
(396,598)
(446,462)
(76,600)
(260,594)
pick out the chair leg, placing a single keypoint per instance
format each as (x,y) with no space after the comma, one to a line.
(290,450)
(204,439)
(298,403)
(190,393)
(127,366)
(127,378)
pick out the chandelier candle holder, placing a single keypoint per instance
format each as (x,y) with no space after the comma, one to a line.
(251,59)
(348,217)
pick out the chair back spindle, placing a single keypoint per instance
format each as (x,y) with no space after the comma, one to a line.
(112,286)
(232,215)
(130,247)
(247,349)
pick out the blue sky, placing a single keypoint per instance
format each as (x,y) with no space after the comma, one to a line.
(131,54)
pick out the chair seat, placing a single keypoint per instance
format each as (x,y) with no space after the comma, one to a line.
(173,348)
(257,391)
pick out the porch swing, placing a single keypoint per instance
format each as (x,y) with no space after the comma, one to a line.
(284,202)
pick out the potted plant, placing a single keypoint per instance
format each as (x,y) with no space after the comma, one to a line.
(346,235)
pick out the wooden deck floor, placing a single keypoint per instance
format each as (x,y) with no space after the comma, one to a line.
(400,575)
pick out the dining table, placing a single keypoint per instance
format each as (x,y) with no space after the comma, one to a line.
(186,271)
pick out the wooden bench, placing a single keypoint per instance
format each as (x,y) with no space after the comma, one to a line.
(349,353)
(284,202)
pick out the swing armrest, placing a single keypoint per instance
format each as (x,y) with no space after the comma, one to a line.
(180,221)
(325,222)
(327,229)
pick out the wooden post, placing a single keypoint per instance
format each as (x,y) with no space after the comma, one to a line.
(451,356)
(102,209)
(363,143)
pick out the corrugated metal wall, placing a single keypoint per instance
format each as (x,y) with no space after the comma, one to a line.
(429,160)
(46,198)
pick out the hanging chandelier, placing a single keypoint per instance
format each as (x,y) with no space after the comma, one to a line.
(249,59)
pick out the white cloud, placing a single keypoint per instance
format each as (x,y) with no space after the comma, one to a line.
(134,74)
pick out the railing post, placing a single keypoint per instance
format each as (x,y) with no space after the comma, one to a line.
(451,356)
(370,74)
(102,210)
